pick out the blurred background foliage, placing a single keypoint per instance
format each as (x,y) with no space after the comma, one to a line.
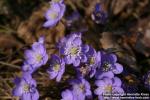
(127,33)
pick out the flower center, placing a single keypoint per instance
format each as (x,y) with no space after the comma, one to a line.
(56,1)
(26,88)
(92,60)
(38,57)
(74,51)
(56,67)
(82,88)
(98,14)
(53,15)
(108,88)
(106,66)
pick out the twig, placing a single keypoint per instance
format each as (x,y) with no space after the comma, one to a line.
(10,65)
(10,98)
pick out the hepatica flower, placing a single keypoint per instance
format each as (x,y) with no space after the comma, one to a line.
(67,95)
(81,89)
(109,66)
(72,49)
(108,86)
(26,88)
(98,15)
(93,61)
(54,14)
(57,68)
(36,56)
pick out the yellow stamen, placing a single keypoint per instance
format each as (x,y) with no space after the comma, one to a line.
(38,57)
(98,14)
(56,67)
(92,60)
(81,86)
(26,88)
(56,1)
(74,51)
(53,15)
(108,88)
(106,67)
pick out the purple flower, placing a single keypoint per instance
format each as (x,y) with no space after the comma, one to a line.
(109,66)
(57,68)
(67,95)
(54,14)
(26,88)
(99,16)
(108,86)
(35,57)
(146,78)
(72,49)
(81,89)
(93,61)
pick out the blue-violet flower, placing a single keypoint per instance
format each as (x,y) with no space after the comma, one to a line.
(81,89)
(109,66)
(72,49)
(67,95)
(54,14)
(35,57)
(57,68)
(98,15)
(26,88)
(108,86)
(93,61)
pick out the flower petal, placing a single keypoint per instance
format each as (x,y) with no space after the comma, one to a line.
(63,8)
(60,73)
(77,41)
(18,91)
(38,48)
(118,68)
(85,48)
(99,91)
(35,96)
(28,54)
(68,60)
(67,95)
(83,58)
(99,83)
(26,96)
(113,57)
(88,93)
(100,97)
(76,62)
(118,90)
(52,74)
(116,82)
(50,23)
(108,74)
(107,81)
